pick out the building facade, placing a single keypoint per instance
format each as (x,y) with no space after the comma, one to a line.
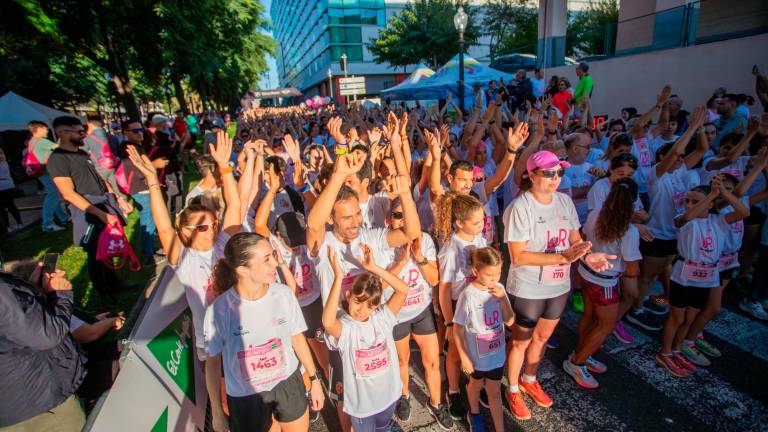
(312,35)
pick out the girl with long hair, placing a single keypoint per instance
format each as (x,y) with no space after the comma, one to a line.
(610,230)
(198,240)
(254,331)
(459,227)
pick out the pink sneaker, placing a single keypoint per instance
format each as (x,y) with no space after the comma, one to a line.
(622,334)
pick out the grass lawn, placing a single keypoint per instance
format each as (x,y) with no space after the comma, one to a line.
(32,243)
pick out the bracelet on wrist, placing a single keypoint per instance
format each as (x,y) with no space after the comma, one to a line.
(425,261)
(226,170)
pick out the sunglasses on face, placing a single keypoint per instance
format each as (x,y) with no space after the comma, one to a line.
(552,173)
(137,130)
(201,227)
(396,215)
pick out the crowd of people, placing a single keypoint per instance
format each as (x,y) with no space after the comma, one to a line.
(320,242)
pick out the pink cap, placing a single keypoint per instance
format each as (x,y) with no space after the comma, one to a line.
(477,170)
(544,160)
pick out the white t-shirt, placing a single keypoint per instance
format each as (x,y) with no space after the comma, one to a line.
(658,142)
(281,204)
(736,169)
(194,271)
(303,269)
(580,178)
(347,255)
(197,191)
(733,238)
(453,260)
(668,200)
(645,161)
(546,228)
(425,208)
(254,337)
(700,241)
(419,290)
(369,358)
(480,314)
(375,211)
(626,249)
(599,192)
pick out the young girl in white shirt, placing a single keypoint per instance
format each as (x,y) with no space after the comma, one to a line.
(362,333)
(198,241)
(610,230)
(481,313)
(459,227)
(254,331)
(699,243)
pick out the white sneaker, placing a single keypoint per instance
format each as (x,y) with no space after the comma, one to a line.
(581,375)
(52,228)
(754,308)
(17,227)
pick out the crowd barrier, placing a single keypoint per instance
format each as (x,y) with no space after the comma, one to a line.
(161,385)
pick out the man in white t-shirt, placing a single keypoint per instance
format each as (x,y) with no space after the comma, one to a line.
(579,173)
(339,206)
(375,207)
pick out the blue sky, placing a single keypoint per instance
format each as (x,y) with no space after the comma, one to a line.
(271,81)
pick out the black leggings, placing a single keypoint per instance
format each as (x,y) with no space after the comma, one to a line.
(528,311)
(6,203)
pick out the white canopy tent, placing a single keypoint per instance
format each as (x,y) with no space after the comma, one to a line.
(16,111)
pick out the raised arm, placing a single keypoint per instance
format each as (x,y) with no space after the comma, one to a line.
(401,289)
(661,100)
(221,153)
(331,323)
(345,165)
(678,149)
(399,186)
(169,239)
(737,151)
(515,138)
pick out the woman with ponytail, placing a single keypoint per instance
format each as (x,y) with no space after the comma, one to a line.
(254,331)
(459,228)
(611,231)
(199,238)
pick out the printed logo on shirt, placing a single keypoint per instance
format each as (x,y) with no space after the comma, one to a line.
(553,243)
(541,220)
(278,322)
(491,321)
(240,331)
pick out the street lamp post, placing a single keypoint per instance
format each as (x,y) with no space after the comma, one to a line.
(460,21)
(330,83)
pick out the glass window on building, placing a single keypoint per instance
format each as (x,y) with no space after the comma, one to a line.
(354,53)
(341,35)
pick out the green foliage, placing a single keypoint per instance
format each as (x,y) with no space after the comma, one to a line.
(590,29)
(423,31)
(61,49)
(511,25)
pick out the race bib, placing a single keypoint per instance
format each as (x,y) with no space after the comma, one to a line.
(303,276)
(371,362)
(699,272)
(642,149)
(489,229)
(263,364)
(679,199)
(728,261)
(555,273)
(489,343)
(415,297)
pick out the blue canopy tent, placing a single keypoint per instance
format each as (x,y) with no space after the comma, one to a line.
(446,79)
(403,90)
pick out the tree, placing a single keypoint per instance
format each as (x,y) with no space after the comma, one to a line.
(511,26)
(423,31)
(590,29)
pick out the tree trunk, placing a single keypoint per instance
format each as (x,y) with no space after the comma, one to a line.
(179,92)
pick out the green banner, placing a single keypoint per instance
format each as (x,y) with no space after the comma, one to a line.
(174,350)
(161,425)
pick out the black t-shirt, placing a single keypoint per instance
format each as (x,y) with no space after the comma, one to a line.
(165,147)
(79,167)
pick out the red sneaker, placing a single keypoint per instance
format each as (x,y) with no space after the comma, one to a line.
(671,365)
(684,362)
(536,393)
(517,406)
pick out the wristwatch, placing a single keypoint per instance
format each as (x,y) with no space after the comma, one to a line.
(314,377)
(448,324)
(514,152)
(421,263)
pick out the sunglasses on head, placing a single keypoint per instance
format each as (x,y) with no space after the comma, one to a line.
(396,215)
(552,173)
(201,227)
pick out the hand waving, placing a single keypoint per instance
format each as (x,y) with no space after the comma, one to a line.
(142,163)
(516,137)
(223,149)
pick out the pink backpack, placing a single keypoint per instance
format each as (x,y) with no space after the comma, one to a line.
(123,181)
(114,249)
(32,165)
(108,159)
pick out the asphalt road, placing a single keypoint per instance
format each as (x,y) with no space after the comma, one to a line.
(636,394)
